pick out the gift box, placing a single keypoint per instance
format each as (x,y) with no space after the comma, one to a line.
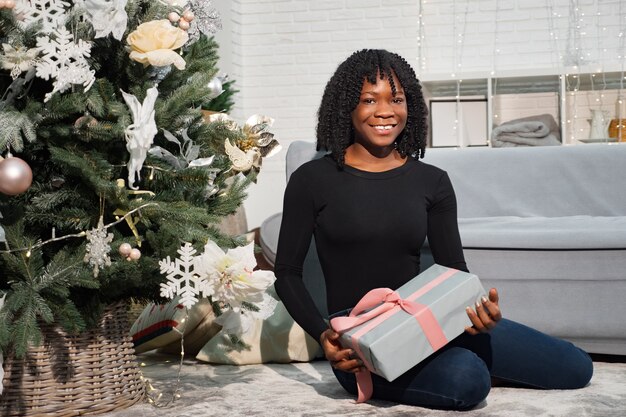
(392,331)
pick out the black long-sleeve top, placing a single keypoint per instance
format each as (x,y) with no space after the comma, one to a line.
(368,227)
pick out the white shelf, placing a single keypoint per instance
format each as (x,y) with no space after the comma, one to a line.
(559,81)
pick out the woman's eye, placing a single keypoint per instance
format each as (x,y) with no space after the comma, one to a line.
(398,100)
(368,100)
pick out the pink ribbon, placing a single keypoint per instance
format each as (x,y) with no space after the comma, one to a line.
(377,306)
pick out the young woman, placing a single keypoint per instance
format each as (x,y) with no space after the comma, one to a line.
(370,203)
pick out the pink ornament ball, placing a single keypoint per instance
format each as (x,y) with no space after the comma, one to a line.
(183,24)
(9,4)
(3,4)
(135,254)
(188,15)
(15,176)
(125,249)
(173,17)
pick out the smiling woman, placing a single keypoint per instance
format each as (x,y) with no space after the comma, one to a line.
(370,204)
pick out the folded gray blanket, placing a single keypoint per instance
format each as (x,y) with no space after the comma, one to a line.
(540,130)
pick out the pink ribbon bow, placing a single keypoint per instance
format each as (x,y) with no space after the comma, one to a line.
(374,308)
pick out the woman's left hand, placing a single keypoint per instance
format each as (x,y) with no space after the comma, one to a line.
(486,314)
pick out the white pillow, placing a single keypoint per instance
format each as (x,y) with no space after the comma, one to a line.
(275,339)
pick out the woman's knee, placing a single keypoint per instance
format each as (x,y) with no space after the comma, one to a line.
(456,380)
(578,369)
(470,380)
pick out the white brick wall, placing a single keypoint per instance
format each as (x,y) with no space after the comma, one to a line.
(282,52)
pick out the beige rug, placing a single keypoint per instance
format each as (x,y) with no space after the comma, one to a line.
(310,389)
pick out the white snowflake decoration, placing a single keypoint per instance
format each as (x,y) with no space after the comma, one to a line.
(50,13)
(65,61)
(184,277)
(98,247)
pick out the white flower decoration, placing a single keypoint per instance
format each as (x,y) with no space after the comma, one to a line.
(18,60)
(106,16)
(230,275)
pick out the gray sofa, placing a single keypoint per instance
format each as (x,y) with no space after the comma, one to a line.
(544,225)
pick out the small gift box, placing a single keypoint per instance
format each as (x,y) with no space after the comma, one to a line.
(392,331)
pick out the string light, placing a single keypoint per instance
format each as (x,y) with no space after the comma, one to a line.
(458,44)
(620,97)
(494,61)
(155,395)
(421,38)
(39,244)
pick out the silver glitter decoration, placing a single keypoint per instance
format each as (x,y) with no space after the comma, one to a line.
(206,21)
(98,247)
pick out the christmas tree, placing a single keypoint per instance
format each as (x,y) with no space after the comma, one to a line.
(102,102)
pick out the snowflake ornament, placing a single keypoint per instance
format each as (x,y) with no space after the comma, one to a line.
(98,247)
(184,277)
(65,61)
(50,13)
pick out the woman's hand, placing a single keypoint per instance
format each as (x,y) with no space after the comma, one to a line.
(487,314)
(339,358)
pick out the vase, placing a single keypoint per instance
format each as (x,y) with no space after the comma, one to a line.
(617,129)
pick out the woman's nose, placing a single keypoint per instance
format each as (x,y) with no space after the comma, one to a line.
(383,109)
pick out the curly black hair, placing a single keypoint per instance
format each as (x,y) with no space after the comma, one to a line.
(341,96)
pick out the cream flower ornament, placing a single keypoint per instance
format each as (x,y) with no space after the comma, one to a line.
(19,59)
(154,42)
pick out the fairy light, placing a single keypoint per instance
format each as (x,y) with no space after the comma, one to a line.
(421,38)
(80,234)
(494,61)
(155,395)
(621,51)
(458,44)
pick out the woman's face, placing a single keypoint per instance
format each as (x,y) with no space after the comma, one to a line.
(380,116)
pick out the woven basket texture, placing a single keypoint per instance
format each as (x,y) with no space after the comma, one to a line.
(73,375)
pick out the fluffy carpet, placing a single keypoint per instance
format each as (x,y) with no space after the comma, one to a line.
(310,389)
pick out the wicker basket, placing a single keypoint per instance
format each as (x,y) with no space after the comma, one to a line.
(91,373)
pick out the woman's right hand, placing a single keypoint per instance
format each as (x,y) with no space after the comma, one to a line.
(339,358)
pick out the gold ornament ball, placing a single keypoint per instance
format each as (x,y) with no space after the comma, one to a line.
(135,254)
(125,249)
(15,176)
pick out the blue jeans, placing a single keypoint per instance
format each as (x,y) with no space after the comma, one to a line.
(458,377)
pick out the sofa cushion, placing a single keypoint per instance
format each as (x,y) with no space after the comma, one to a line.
(543,181)
(569,232)
(268,236)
